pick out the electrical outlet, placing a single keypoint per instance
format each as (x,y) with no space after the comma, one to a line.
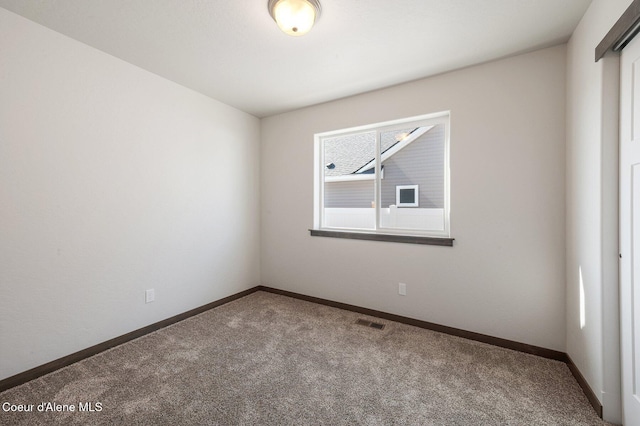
(402,289)
(149,295)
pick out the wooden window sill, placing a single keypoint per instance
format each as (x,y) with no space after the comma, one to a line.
(408,239)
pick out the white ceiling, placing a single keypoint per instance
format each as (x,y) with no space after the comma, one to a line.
(233,51)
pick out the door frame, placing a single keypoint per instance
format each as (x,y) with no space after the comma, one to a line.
(608,51)
(622,32)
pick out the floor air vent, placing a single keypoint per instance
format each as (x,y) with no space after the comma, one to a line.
(370,324)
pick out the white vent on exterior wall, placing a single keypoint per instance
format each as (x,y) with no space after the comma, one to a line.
(407,196)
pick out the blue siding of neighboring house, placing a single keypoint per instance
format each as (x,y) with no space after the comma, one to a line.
(419,163)
(358,194)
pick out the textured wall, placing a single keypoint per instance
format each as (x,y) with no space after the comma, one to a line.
(505,275)
(356,194)
(112,181)
(419,163)
(592,210)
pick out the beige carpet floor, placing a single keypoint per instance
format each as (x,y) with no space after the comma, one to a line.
(267,359)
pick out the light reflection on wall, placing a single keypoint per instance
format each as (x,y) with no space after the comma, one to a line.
(583,317)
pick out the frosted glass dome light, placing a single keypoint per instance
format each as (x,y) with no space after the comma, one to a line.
(294,17)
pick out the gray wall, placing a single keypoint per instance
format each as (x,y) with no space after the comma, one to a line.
(592,206)
(112,181)
(419,163)
(505,274)
(358,194)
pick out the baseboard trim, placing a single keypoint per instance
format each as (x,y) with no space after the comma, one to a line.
(59,363)
(591,396)
(496,341)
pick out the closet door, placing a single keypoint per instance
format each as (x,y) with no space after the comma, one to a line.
(630,230)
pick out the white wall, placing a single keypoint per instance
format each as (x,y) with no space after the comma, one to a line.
(592,218)
(112,181)
(505,275)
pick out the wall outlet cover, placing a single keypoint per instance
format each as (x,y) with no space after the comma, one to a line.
(402,289)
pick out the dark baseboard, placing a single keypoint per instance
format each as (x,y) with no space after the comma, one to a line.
(591,396)
(49,367)
(496,341)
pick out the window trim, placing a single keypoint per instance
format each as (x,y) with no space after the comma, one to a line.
(392,238)
(386,234)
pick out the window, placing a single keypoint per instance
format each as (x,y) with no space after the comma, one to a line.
(385,179)
(407,196)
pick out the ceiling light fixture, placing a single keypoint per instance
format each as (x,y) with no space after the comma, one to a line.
(295,17)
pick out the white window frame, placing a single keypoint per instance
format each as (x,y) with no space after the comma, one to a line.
(442,118)
(416,196)
(353,178)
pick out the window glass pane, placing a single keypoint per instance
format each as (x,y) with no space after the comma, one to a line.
(407,196)
(412,190)
(349,181)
